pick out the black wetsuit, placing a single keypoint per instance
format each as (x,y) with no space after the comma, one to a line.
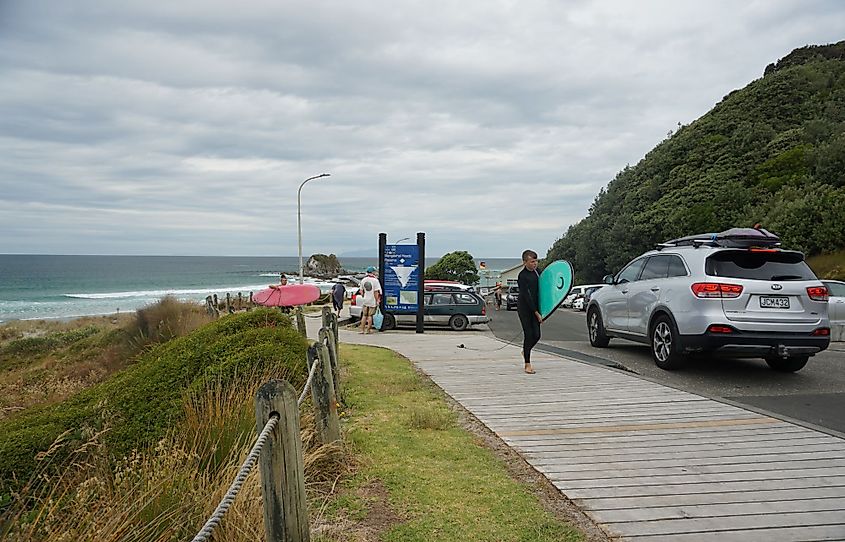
(528,304)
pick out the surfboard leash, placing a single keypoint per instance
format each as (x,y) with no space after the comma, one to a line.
(510,342)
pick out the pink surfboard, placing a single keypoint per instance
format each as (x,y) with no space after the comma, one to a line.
(287,296)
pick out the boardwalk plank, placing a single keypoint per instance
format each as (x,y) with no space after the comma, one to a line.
(777,534)
(721,510)
(692,500)
(730,523)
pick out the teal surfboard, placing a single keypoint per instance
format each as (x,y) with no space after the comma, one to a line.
(555,283)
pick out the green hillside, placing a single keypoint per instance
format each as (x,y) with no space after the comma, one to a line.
(772,152)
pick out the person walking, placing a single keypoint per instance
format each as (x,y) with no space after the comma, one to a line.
(528,306)
(497,295)
(371,288)
(338,293)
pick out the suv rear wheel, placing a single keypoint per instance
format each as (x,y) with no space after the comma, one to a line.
(787,365)
(595,328)
(664,344)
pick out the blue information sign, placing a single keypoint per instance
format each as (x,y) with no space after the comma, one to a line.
(401,278)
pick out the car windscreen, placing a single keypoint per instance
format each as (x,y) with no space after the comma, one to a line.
(759,265)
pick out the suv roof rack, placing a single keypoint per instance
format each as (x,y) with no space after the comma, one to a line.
(732,238)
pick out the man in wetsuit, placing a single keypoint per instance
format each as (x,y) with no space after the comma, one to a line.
(528,306)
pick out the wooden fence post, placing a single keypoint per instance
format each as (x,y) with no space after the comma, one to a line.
(281,465)
(323,396)
(326,337)
(336,337)
(326,313)
(300,322)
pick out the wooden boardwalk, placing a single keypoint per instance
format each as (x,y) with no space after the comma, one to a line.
(646,462)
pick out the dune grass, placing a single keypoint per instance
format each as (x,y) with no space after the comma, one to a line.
(147,455)
(421,476)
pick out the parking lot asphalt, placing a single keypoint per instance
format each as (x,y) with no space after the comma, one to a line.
(814,396)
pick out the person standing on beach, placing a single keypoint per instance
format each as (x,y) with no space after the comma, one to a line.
(528,306)
(371,288)
(338,293)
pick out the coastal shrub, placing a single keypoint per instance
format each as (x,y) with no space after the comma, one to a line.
(52,341)
(137,405)
(166,319)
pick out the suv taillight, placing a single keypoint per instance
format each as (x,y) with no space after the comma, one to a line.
(818,293)
(821,332)
(716,289)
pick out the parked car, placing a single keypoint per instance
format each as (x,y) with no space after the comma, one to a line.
(716,293)
(588,294)
(836,302)
(577,291)
(578,302)
(458,308)
(512,298)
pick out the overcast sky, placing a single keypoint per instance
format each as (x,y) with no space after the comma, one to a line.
(185,128)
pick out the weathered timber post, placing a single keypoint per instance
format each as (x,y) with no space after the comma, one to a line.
(251,302)
(330,322)
(300,322)
(326,313)
(240,301)
(217,304)
(323,396)
(336,336)
(281,465)
(326,337)
(228,303)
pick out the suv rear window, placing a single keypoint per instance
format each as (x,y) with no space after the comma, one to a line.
(745,264)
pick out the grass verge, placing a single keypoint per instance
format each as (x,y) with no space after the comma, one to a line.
(421,476)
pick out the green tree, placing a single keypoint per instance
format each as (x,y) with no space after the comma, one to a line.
(772,152)
(457,266)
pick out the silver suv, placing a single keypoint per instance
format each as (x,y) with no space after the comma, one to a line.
(735,293)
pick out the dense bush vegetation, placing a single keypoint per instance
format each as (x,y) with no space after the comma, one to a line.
(773,152)
(138,405)
(458,266)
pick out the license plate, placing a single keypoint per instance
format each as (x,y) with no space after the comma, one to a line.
(774,302)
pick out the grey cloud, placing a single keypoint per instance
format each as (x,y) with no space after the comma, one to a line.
(186,127)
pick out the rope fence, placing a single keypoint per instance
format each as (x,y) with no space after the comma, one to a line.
(235,488)
(282,466)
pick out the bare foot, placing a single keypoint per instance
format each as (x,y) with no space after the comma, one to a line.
(529,370)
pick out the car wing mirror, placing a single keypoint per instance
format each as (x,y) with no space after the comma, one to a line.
(608,279)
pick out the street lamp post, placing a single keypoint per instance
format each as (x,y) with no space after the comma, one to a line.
(299,219)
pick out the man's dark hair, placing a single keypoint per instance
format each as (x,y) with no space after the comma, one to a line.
(528,254)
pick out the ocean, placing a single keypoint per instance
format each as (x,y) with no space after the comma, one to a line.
(47,286)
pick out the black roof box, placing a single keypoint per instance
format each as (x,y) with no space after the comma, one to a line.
(732,238)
